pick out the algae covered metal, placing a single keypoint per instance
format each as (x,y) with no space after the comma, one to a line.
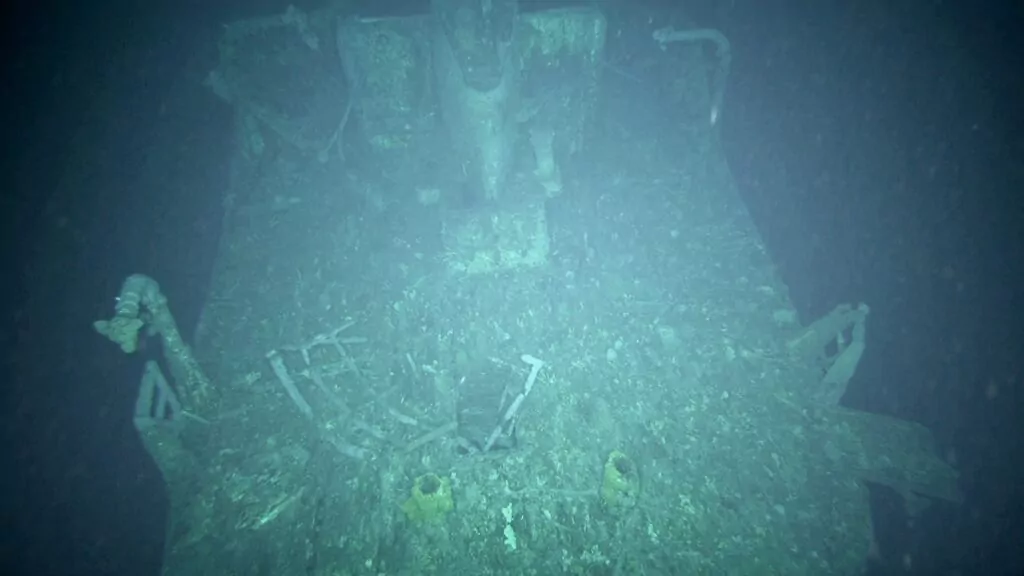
(598,369)
(388,65)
